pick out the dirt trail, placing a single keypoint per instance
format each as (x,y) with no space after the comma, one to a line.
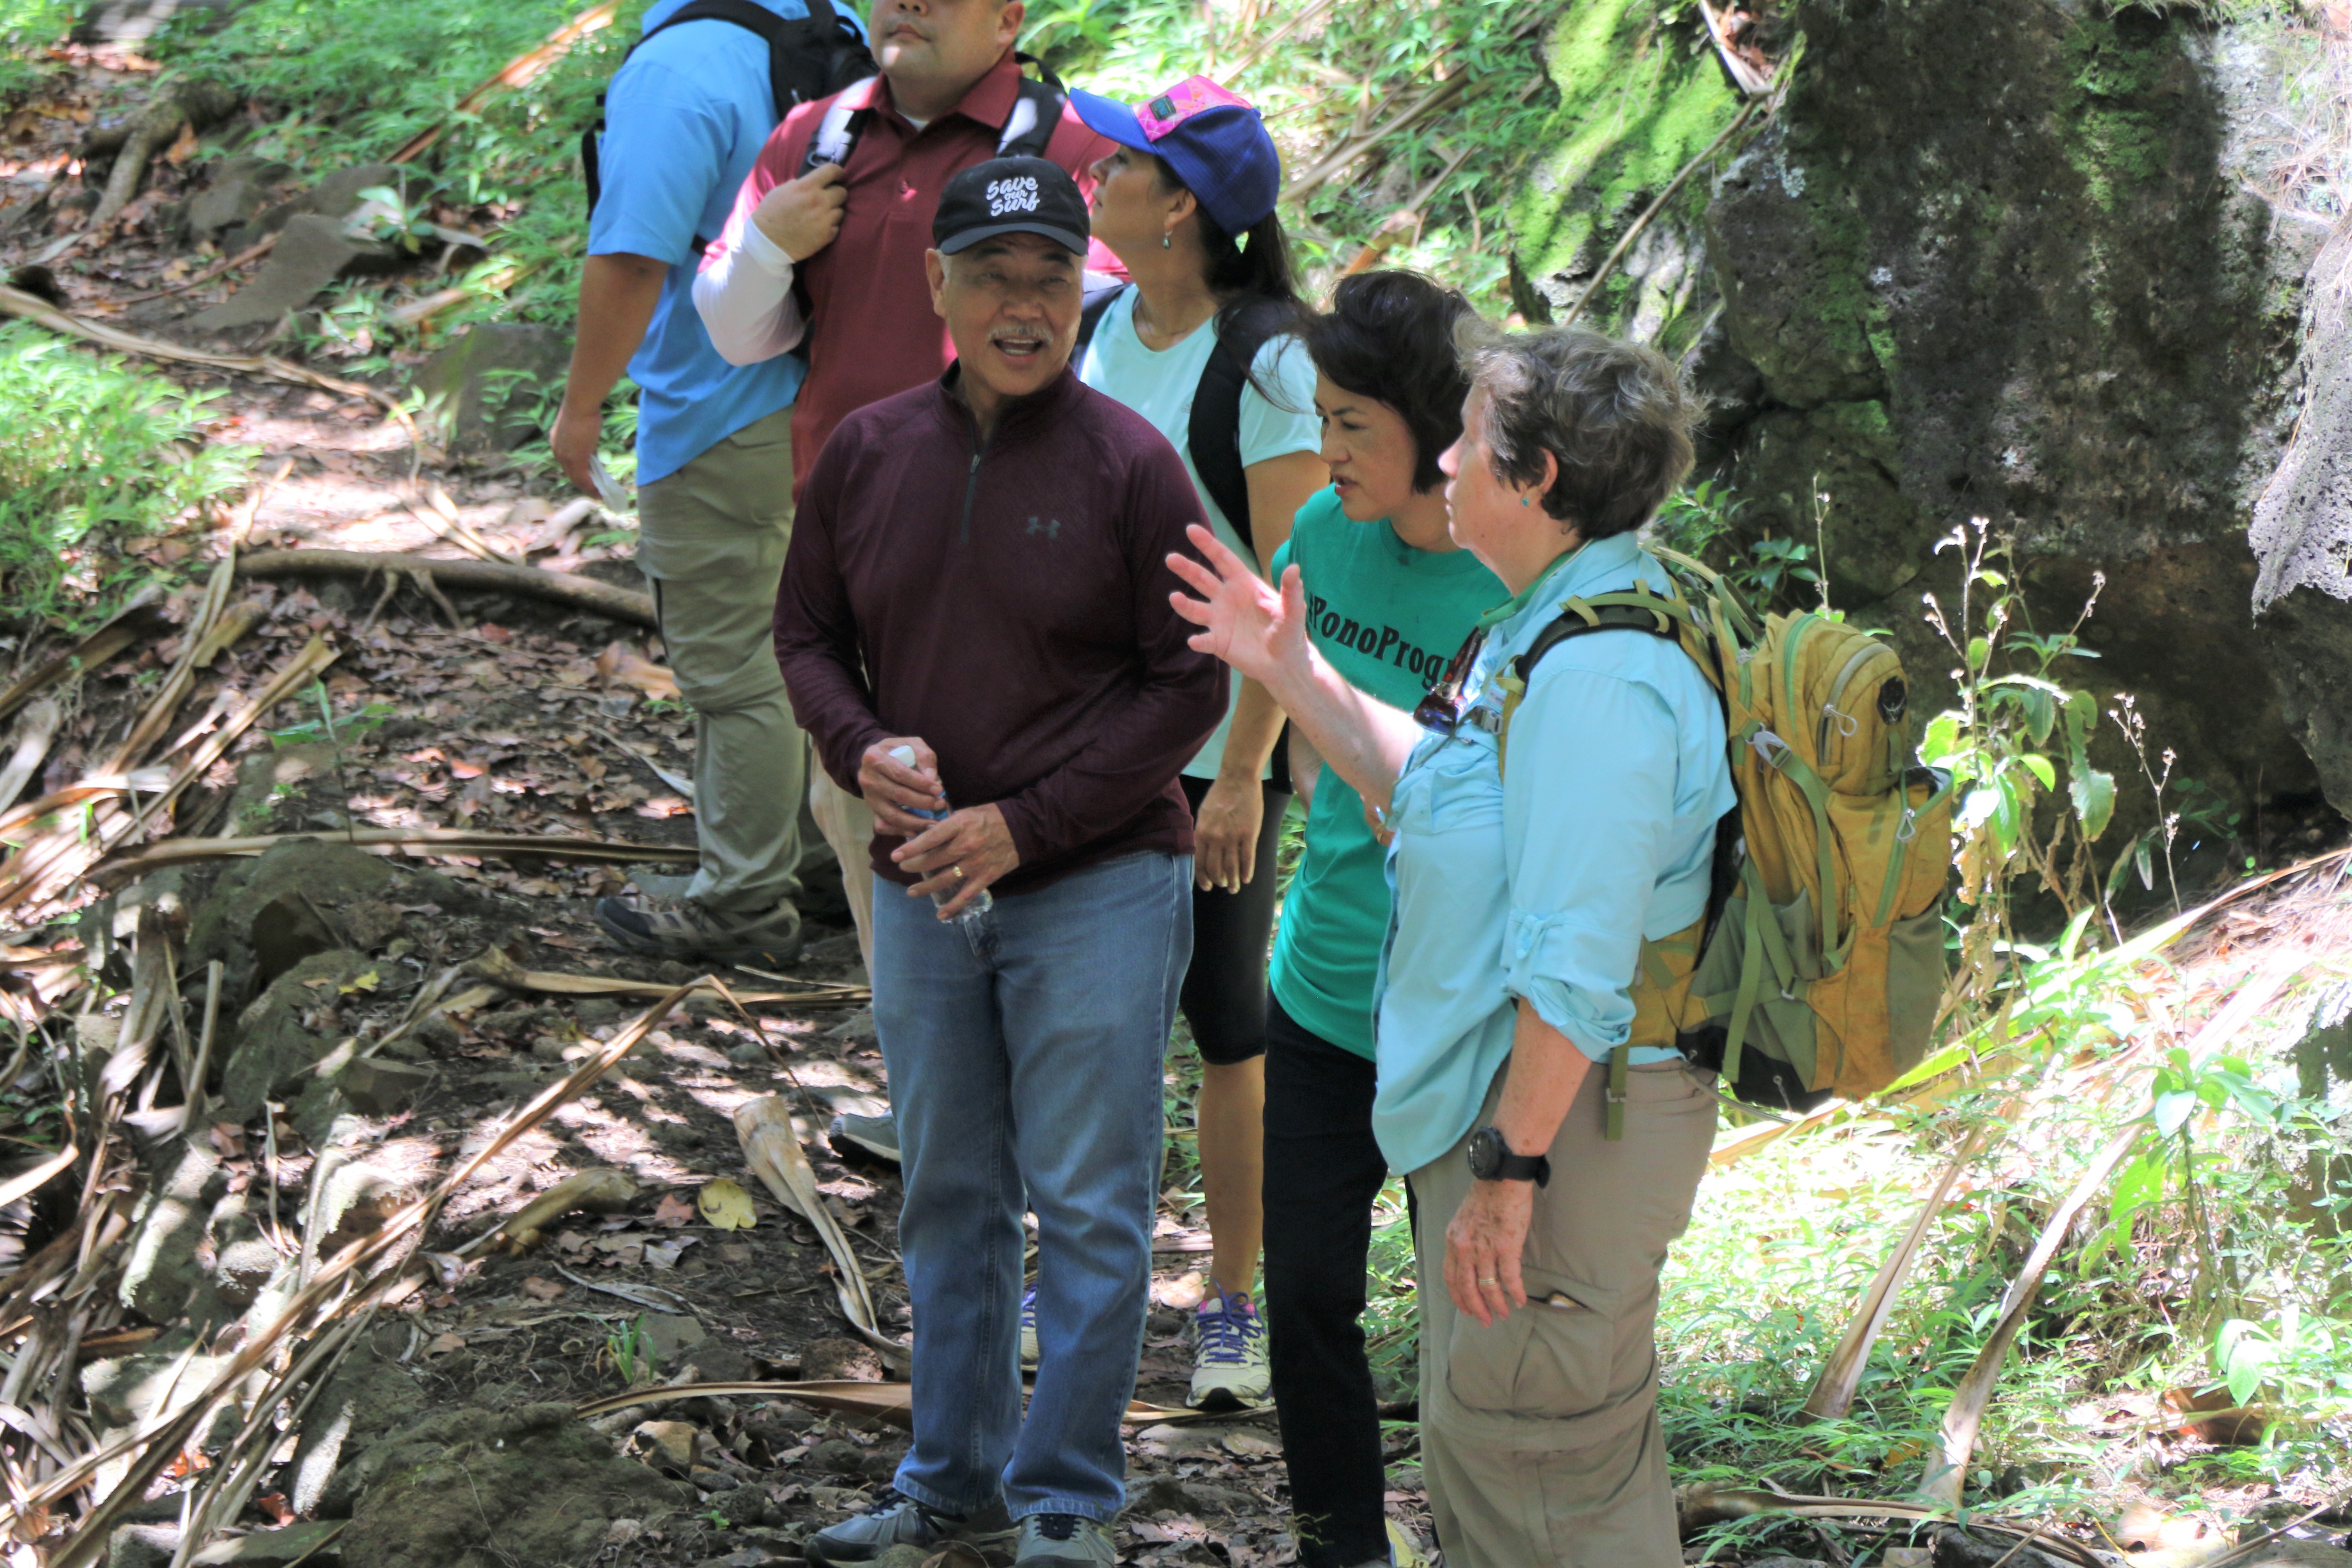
(510,714)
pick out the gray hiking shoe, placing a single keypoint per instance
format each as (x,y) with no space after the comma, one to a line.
(1066,1537)
(877,1136)
(692,932)
(899,1521)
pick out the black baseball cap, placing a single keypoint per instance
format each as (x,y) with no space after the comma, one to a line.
(1011,196)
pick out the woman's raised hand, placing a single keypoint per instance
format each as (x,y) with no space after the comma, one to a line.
(1258,629)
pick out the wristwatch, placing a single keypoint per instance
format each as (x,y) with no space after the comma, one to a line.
(1491,1160)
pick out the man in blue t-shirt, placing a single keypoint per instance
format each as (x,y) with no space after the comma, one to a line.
(687,116)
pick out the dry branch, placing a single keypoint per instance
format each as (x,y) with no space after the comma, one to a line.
(563,587)
(891,1401)
(500,970)
(423,842)
(516,72)
(330,1294)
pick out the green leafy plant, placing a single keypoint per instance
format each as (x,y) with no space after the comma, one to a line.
(2018,731)
(28,28)
(96,453)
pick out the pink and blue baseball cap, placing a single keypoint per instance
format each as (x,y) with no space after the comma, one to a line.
(1213,139)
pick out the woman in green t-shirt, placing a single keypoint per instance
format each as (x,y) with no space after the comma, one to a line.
(1390,596)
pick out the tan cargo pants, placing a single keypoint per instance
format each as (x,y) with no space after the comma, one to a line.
(712,538)
(847,823)
(1539,1435)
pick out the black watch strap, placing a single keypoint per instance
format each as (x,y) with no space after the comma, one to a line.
(1491,1160)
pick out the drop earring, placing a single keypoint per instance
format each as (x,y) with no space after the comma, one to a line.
(1523,500)
(1166,240)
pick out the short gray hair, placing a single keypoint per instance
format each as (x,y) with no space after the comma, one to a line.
(1615,416)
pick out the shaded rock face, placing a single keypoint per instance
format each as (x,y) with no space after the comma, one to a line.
(2027,281)
(2302,534)
(469,1489)
(481,390)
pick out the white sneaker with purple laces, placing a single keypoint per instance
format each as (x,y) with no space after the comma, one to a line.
(1229,1359)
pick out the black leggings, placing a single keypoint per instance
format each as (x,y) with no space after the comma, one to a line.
(1323,1174)
(1224,990)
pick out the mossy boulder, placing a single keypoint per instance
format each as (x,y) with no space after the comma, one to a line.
(2031,280)
(267,915)
(476,1489)
(289,1028)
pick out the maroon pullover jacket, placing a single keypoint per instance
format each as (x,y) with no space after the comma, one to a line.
(1007,602)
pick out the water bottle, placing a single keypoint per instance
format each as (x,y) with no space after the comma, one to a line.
(905,757)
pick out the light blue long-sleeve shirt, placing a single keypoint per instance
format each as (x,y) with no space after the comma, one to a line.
(1541,886)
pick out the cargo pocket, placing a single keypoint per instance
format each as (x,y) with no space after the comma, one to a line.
(1547,1359)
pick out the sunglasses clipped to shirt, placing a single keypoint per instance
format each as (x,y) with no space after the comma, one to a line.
(1441,709)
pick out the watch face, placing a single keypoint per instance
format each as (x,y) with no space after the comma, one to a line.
(1485,1153)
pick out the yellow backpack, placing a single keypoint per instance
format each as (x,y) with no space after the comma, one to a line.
(1821,963)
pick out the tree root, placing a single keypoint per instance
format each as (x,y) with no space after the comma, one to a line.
(564,587)
(155,127)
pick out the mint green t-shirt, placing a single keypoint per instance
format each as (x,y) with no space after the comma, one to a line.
(1388,617)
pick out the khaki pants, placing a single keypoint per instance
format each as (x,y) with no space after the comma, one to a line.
(848,826)
(1539,1435)
(712,542)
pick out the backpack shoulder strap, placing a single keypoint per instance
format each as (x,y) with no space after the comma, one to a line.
(1098,304)
(837,132)
(1036,115)
(1639,610)
(1213,436)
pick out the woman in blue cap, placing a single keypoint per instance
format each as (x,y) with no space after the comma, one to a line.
(1199,344)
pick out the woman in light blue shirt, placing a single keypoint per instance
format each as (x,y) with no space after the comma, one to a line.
(1524,895)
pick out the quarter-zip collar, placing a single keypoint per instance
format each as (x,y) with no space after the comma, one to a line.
(1020,419)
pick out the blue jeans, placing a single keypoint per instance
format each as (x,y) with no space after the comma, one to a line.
(1025,1052)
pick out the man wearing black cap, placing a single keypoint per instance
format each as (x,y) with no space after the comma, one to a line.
(978,579)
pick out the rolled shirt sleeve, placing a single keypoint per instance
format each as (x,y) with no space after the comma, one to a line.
(1588,791)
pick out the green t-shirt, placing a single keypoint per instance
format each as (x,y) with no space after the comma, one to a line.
(1388,617)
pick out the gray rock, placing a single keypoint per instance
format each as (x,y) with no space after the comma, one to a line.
(379,1086)
(311,1542)
(370,1395)
(669,1335)
(481,391)
(135,21)
(239,188)
(531,1485)
(2302,535)
(287,1031)
(143,1546)
(311,253)
(163,1273)
(1949,293)
(265,917)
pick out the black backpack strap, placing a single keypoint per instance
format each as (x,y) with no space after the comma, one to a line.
(1036,114)
(788,41)
(1214,436)
(1097,303)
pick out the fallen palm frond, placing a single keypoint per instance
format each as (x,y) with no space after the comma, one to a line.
(424,843)
(119,633)
(440,513)
(53,863)
(891,1401)
(500,970)
(1947,1468)
(34,737)
(1700,1506)
(564,587)
(1833,1391)
(772,1149)
(344,1286)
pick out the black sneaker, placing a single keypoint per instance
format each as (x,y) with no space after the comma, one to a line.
(899,1519)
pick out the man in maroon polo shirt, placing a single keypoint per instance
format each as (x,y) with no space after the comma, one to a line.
(829,259)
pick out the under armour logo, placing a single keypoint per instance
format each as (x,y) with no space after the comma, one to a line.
(1051,528)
